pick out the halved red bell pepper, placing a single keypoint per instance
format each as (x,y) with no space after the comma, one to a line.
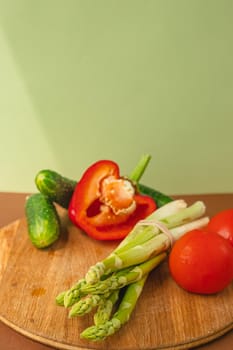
(105,205)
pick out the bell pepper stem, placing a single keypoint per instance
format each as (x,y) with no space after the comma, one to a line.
(140,168)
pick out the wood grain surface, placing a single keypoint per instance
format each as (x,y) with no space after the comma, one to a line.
(166,317)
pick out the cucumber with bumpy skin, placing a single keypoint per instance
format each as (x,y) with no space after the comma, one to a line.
(58,188)
(159,197)
(42,219)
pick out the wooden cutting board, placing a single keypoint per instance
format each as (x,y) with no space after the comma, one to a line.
(166,317)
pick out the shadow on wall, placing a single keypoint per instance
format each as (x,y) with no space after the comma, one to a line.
(23,143)
(114,81)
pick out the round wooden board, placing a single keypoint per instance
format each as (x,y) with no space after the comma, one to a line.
(166,317)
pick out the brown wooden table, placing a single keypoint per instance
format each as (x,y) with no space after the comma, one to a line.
(12,208)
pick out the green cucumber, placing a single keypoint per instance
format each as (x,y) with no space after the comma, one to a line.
(58,188)
(42,219)
(159,197)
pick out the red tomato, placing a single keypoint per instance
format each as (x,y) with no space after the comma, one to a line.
(222,223)
(202,262)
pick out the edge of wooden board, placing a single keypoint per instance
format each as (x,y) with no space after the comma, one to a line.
(63,346)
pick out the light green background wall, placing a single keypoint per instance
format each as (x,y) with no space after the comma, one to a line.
(86,80)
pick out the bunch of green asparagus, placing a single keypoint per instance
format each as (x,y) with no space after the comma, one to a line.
(112,287)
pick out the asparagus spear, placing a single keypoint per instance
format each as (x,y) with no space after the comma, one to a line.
(63,298)
(60,298)
(74,294)
(86,304)
(126,307)
(124,277)
(105,308)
